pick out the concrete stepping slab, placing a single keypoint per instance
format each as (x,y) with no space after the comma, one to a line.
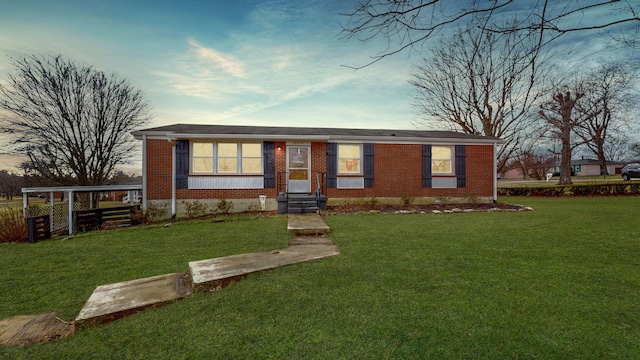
(33,329)
(307,224)
(214,274)
(114,301)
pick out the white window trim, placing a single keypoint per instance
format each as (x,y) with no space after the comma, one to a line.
(214,158)
(453,161)
(360,160)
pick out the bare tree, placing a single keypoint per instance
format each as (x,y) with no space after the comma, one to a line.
(407,24)
(72,121)
(480,82)
(609,93)
(559,113)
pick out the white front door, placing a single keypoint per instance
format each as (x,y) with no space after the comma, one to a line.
(299,168)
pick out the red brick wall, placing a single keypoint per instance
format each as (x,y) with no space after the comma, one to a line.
(405,162)
(158,169)
(406,175)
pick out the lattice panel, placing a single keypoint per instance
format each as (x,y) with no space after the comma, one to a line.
(60,217)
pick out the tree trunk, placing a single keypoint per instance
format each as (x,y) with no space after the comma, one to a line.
(565,158)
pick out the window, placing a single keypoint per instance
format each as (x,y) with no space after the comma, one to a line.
(226,158)
(251,158)
(442,160)
(349,159)
(202,158)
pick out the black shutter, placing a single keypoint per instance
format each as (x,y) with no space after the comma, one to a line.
(332,165)
(461,165)
(269,154)
(426,166)
(182,164)
(367,150)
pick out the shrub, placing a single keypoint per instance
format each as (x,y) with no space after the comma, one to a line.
(195,208)
(36,210)
(370,203)
(224,206)
(13,226)
(574,190)
(153,213)
(406,198)
(471,198)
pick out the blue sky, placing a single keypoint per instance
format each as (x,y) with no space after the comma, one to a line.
(241,62)
(221,62)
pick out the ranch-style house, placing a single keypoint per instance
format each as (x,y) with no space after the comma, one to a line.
(299,169)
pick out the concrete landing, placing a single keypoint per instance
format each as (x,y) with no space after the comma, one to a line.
(213,274)
(33,329)
(114,301)
(307,224)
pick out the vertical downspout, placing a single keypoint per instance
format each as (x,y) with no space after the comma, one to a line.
(70,216)
(144,172)
(495,173)
(173,179)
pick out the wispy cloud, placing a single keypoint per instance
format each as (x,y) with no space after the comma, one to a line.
(228,63)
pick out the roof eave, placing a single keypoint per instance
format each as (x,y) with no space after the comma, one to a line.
(346,138)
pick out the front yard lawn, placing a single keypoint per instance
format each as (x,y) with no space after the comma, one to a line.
(559,282)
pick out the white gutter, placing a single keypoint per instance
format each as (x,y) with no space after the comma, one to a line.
(324,138)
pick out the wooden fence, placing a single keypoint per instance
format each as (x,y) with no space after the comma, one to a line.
(39,228)
(94,219)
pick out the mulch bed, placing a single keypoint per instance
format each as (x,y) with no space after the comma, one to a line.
(426,209)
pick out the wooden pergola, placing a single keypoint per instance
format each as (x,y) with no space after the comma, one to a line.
(71,190)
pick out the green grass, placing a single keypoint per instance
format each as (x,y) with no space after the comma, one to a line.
(560,282)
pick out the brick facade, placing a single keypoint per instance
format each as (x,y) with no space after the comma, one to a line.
(397,172)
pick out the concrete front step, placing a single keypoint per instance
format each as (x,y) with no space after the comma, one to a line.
(307,224)
(303,210)
(114,301)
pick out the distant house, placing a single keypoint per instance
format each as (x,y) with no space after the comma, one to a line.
(183,163)
(590,167)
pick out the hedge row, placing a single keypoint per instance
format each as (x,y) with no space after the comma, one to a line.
(574,190)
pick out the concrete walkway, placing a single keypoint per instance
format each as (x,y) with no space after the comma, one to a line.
(114,301)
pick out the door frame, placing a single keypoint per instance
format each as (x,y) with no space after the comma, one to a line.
(299,186)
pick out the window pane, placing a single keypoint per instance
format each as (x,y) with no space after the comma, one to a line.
(251,150)
(440,153)
(441,167)
(350,166)
(203,149)
(349,151)
(202,165)
(442,160)
(349,158)
(227,165)
(226,149)
(298,157)
(251,165)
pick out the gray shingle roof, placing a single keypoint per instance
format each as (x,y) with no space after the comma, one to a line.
(309,133)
